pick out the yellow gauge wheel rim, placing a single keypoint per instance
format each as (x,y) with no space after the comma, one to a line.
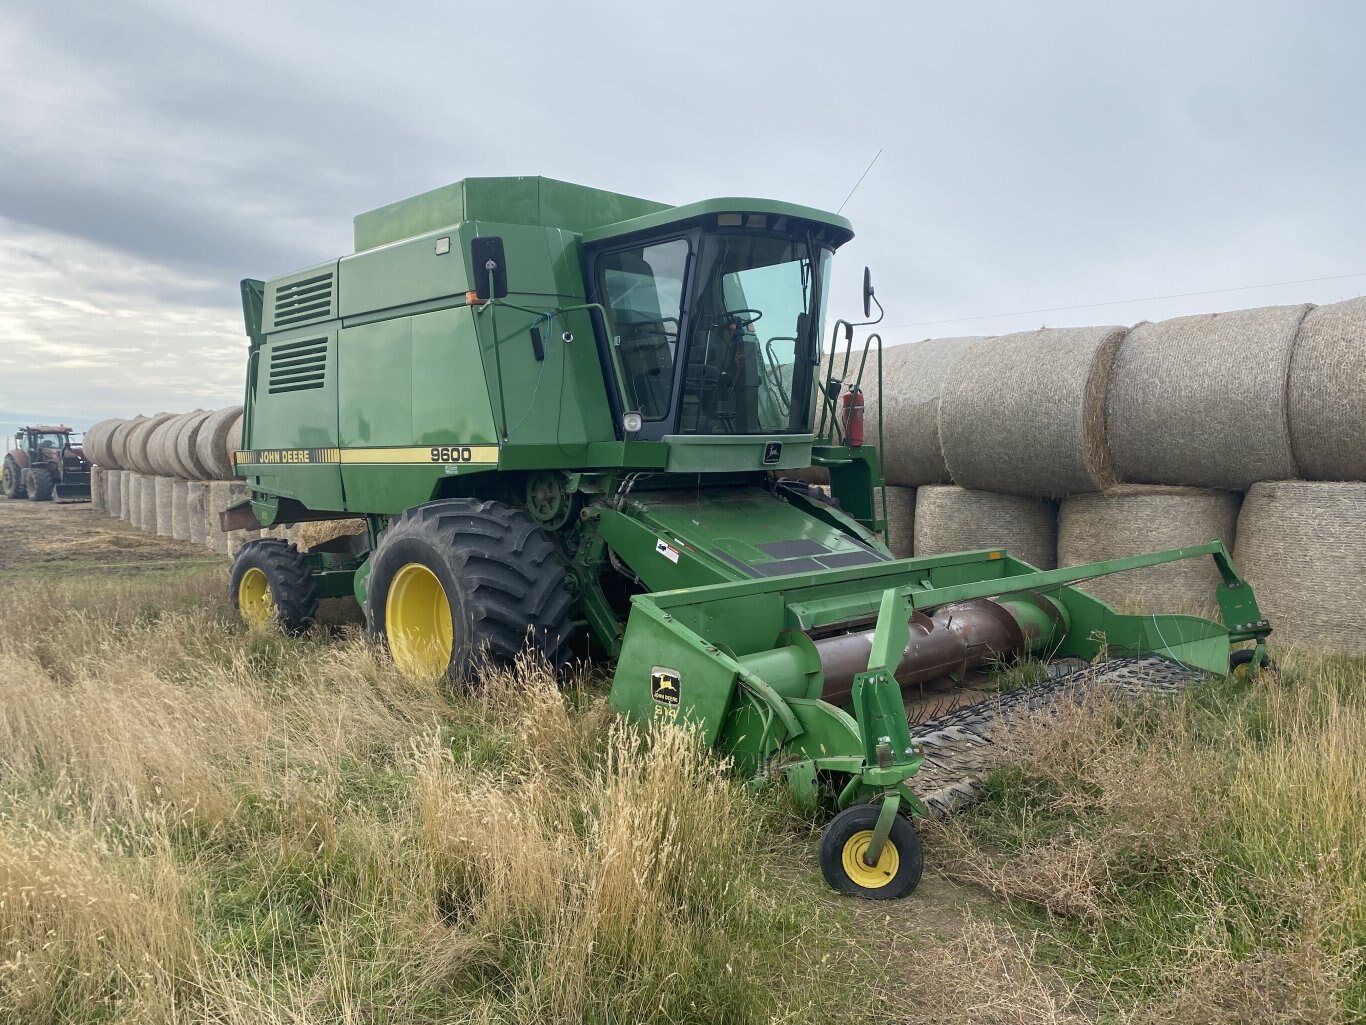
(417,620)
(870,877)
(254,599)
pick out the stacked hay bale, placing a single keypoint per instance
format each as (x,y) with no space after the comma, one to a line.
(1024,414)
(953,519)
(1134,519)
(899,512)
(1201,401)
(1327,402)
(1302,547)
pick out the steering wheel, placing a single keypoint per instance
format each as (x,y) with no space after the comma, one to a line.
(738,318)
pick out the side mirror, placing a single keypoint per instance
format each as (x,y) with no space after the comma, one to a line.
(488,267)
(867,292)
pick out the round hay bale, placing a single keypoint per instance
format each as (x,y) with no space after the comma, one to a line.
(196,497)
(147,505)
(113,492)
(953,519)
(180,508)
(139,440)
(161,445)
(899,512)
(118,443)
(211,444)
(1135,519)
(98,499)
(314,533)
(911,378)
(164,492)
(186,451)
(125,495)
(1025,413)
(218,500)
(1327,400)
(134,504)
(96,443)
(1202,400)
(1302,547)
(233,440)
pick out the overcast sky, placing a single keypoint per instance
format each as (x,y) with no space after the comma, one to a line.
(1034,155)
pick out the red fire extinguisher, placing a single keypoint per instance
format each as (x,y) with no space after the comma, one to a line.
(853,417)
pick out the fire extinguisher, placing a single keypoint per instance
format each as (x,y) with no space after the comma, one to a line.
(853,417)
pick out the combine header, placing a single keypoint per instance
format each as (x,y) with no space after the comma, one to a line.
(568,415)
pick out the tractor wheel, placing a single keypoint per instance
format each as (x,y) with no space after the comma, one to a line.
(459,580)
(39,485)
(13,479)
(272,587)
(898,869)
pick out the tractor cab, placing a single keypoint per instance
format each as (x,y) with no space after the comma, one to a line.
(715,316)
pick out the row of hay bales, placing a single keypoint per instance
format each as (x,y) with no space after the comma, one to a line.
(1301,544)
(1075,445)
(186,446)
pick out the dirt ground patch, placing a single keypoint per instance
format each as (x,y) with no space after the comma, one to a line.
(43,536)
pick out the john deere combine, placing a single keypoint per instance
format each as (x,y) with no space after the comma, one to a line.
(566,416)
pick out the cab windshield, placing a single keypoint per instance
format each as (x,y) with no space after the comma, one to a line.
(714,333)
(748,363)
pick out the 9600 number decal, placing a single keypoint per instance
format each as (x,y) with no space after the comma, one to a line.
(453,454)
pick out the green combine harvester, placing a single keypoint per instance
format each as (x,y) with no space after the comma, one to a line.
(568,416)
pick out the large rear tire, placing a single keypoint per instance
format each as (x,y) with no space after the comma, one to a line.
(461,580)
(272,588)
(39,484)
(13,479)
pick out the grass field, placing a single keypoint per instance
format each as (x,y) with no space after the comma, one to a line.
(201,825)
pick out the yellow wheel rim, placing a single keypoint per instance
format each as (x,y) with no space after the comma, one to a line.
(417,620)
(255,600)
(870,877)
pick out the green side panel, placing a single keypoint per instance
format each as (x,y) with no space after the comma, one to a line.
(731,453)
(543,201)
(414,271)
(302,367)
(303,297)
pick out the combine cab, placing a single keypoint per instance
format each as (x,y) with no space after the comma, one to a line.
(569,419)
(45,464)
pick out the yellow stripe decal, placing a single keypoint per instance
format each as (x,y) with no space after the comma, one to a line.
(433,455)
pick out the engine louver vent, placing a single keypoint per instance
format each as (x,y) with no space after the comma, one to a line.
(298,366)
(304,301)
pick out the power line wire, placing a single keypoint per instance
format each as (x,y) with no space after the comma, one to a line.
(860,180)
(1122,302)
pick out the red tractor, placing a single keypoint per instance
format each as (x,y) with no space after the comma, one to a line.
(44,463)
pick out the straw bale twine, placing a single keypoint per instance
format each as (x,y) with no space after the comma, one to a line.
(118,443)
(911,379)
(164,492)
(899,513)
(314,533)
(139,443)
(113,492)
(98,499)
(1202,400)
(196,498)
(1326,396)
(1135,519)
(1302,547)
(1025,413)
(96,445)
(953,519)
(211,444)
(186,450)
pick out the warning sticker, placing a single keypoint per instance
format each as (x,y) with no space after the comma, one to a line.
(667,550)
(664,685)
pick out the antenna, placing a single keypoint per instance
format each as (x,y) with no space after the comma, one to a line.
(860,181)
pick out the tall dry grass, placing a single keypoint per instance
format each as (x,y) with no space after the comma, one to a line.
(201,824)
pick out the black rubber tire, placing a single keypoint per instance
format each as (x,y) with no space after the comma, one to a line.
(502,578)
(13,479)
(860,818)
(40,484)
(291,584)
(1243,657)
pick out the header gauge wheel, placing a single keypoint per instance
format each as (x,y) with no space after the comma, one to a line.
(272,588)
(844,845)
(462,579)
